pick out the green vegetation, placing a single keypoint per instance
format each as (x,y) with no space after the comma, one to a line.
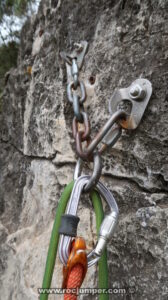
(8,59)
(14,7)
(10,12)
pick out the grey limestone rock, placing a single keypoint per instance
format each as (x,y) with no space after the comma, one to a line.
(127,40)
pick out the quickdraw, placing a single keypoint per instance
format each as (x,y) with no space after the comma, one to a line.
(72,249)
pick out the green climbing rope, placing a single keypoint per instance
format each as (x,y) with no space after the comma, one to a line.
(103,267)
(52,251)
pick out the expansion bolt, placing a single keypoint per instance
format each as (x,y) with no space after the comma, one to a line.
(137,92)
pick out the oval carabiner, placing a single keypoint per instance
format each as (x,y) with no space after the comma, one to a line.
(106,229)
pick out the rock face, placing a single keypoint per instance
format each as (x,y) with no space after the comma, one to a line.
(127,40)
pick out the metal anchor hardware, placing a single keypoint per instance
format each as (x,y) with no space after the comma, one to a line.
(78,54)
(89,150)
(106,229)
(138,93)
(94,178)
(74,62)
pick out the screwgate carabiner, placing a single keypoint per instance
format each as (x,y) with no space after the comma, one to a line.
(107,226)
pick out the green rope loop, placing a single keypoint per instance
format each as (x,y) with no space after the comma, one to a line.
(54,240)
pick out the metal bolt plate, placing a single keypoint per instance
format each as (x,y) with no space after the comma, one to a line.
(79,53)
(139,101)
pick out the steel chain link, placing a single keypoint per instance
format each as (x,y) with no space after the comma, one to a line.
(76,94)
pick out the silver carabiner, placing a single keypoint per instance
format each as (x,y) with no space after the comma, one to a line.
(107,226)
(96,171)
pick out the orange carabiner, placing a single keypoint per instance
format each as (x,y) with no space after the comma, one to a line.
(77,256)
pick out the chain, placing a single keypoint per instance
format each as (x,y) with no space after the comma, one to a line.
(87,148)
(76,94)
(80,116)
